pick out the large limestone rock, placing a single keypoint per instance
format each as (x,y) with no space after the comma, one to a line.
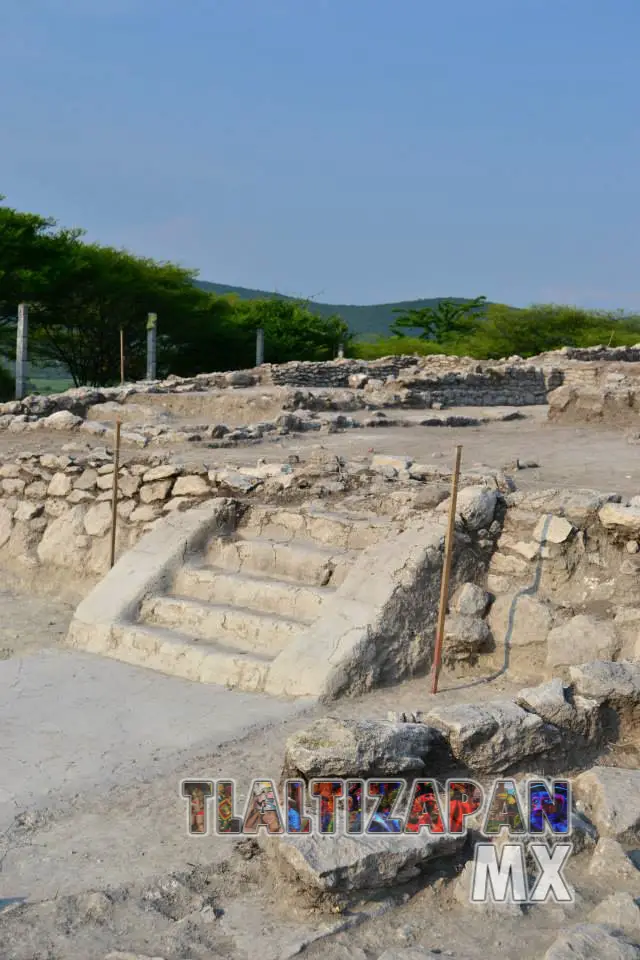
(625,520)
(464,638)
(552,702)
(97,520)
(589,941)
(462,893)
(620,911)
(550,529)
(191,486)
(520,619)
(493,737)
(610,796)
(60,485)
(62,420)
(613,869)
(58,545)
(235,481)
(163,472)
(581,639)
(476,506)
(369,861)
(470,600)
(614,684)
(359,748)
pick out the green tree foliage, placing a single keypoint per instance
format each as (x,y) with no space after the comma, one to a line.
(291,331)
(81,295)
(7,385)
(393,347)
(100,291)
(507,331)
(31,251)
(448,320)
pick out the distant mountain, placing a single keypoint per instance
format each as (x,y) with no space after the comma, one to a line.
(374,319)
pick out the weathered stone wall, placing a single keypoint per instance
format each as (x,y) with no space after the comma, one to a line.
(338,373)
(600,353)
(423,381)
(405,380)
(55,511)
(392,381)
(565,580)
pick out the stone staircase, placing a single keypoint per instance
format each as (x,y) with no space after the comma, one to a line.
(231,608)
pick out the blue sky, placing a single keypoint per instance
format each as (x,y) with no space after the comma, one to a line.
(358,151)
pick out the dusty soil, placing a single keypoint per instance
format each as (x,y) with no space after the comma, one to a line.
(130,839)
(124,837)
(28,624)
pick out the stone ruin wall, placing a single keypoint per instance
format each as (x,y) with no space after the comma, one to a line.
(396,381)
(399,381)
(55,511)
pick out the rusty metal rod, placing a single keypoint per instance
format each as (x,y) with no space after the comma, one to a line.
(114,498)
(446,573)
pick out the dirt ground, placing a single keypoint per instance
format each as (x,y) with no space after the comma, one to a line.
(125,838)
(130,839)
(130,834)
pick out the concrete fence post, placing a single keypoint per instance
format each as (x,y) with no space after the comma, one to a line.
(152,330)
(341,351)
(259,347)
(22,341)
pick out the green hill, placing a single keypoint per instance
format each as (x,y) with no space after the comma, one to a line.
(371,320)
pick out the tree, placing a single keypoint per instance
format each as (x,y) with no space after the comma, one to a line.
(208,337)
(444,322)
(508,331)
(31,252)
(100,291)
(292,331)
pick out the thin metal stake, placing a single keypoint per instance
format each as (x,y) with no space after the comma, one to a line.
(114,498)
(446,573)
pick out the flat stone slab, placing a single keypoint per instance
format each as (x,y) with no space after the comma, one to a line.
(613,869)
(492,737)
(611,799)
(364,862)
(590,941)
(359,748)
(581,639)
(258,931)
(608,682)
(73,721)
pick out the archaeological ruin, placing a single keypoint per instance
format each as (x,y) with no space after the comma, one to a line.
(279,542)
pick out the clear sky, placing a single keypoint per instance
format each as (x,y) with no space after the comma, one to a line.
(358,151)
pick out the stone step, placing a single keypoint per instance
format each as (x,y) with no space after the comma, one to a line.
(175,653)
(214,585)
(296,562)
(245,630)
(349,532)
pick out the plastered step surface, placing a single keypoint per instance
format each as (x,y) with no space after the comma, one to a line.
(252,591)
(179,655)
(349,532)
(303,563)
(240,628)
